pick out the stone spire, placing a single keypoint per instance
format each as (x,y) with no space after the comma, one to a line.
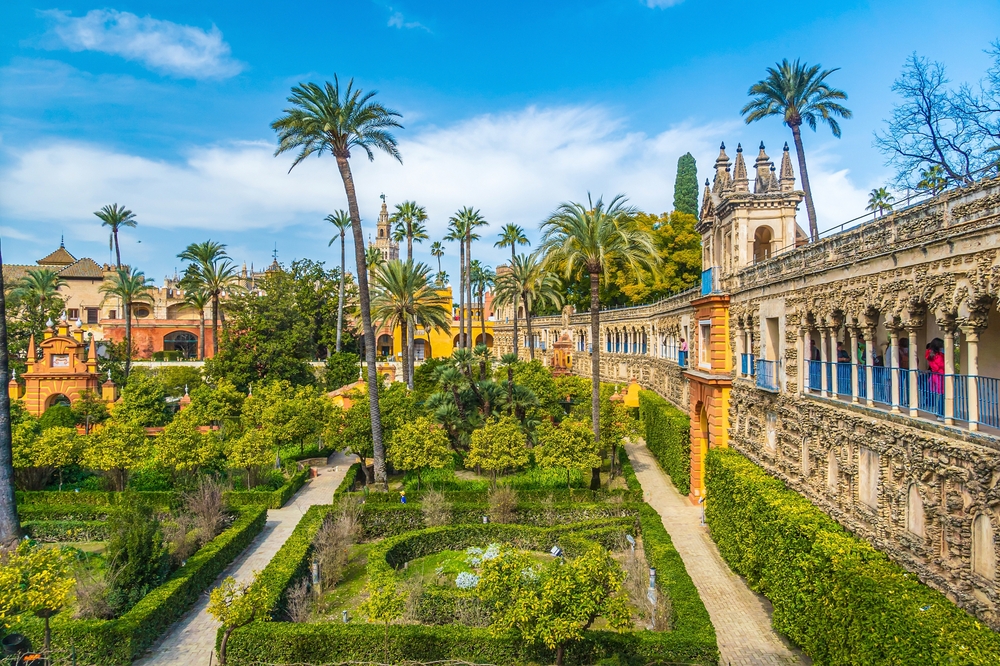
(722,180)
(740,181)
(706,199)
(764,168)
(787,175)
(32,354)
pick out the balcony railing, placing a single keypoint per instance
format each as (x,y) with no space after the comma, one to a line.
(747,365)
(682,359)
(767,375)
(707,282)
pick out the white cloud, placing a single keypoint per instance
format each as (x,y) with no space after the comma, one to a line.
(661,4)
(515,167)
(179,50)
(397,20)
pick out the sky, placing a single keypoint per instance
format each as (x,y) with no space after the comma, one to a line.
(509,107)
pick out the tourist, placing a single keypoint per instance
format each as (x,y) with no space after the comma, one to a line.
(935,363)
(842,355)
(904,354)
(814,350)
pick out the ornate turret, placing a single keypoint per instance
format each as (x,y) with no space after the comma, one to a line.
(787,175)
(13,386)
(92,355)
(722,181)
(32,353)
(740,181)
(764,180)
(109,391)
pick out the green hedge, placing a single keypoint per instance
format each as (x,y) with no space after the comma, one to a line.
(348,482)
(271,499)
(668,438)
(559,495)
(833,594)
(628,473)
(66,530)
(118,642)
(28,512)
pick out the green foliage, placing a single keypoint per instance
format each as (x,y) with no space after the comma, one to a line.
(90,409)
(342,368)
(425,379)
(235,605)
(570,445)
(113,360)
(216,405)
(419,445)
(534,376)
(686,185)
(57,416)
(182,447)
(499,445)
(137,558)
(555,603)
(354,427)
(117,448)
(251,451)
(35,580)
(834,595)
(143,401)
(175,379)
(37,454)
(668,438)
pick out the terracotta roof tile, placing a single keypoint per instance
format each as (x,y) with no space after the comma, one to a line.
(14,272)
(61,257)
(83,268)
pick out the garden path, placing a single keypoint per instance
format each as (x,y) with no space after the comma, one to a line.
(191,641)
(742,619)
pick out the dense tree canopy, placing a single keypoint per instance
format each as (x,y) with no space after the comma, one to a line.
(686,185)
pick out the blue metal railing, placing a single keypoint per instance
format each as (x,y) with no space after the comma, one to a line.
(988,389)
(815,380)
(767,375)
(882,384)
(682,359)
(830,370)
(930,392)
(707,285)
(961,385)
(904,387)
(747,364)
(862,382)
(844,379)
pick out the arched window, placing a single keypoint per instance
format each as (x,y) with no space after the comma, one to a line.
(762,243)
(384,346)
(181,341)
(983,548)
(57,399)
(914,511)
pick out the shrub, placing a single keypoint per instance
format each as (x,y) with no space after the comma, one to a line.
(206,506)
(503,502)
(57,416)
(435,508)
(668,437)
(334,540)
(342,368)
(833,594)
(137,558)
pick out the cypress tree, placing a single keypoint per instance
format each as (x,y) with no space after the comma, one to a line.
(686,185)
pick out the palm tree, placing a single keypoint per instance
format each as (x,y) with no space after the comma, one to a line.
(461,226)
(879,200)
(409,221)
(798,93)
(441,278)
(483,278)
(437,251)
(38,289)
(530,281)
(116,217)
(373,260)
(213,272)
(932,179)
(326,119)
(456,232)
(404,297)
(10,524)
(199,300)
(129,286)
(589,238)
(341,220)
(511,236)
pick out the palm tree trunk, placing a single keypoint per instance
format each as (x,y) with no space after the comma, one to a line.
(461,293)
(118,252)
(378,446)
(10,525)
(340,303)
(595,372)
(468,284)
(482,314)
(527,327)
(513,258)
(804,175)
(404,324)
(410,351)
(201,335)
(128,338)
(215,325)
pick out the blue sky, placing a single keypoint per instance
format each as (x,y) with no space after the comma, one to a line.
(510,107)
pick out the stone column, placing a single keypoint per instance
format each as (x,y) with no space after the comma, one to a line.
(740,342)
(893,365)
(822,360)
(854,364)
(949,373)
(913,326)
(869,334)
(833,361)
(800,351)
(972,371)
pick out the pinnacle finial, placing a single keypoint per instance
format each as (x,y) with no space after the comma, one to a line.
(762,145)
(62,240)
(706,182)
(723,146)
(739,147)
(786,146)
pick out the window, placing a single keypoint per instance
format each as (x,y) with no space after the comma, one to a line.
(112,314)
(73,314)
(92,315)
(868,471)
(705,344)
(142,311)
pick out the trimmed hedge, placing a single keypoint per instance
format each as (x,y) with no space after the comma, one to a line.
(66,530)
(163,500)
(628,473)
(668,438)
(29,512)
(562,495)
(833,594)
(348,482)
(271,499)
(118,642)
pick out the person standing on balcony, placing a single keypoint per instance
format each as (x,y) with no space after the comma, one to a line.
(935,362)
(904,354)
(842,355)
(813,350)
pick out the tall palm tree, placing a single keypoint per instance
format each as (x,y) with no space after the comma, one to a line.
(933,179)
(342,221)
(531,281)
(483,278)
(116,217)
(475,220)
(327,119)
(589,238)
(211,271)
(199,299)
(129,286)
(799,94)
(511,236)
(462,226)
(10,524)
(405,298)
(879,200)
(38,289)
(437,251)
(456,232)
(441,278)
(373,260)
(409,221)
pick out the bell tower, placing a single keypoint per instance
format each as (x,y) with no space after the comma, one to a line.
(383,239)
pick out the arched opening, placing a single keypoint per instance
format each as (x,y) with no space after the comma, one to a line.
(141,310)
(421,349)
(57,399)
(488,340)
(914,511)
(983,548)
(762,243)
(181,341)
(384,345)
